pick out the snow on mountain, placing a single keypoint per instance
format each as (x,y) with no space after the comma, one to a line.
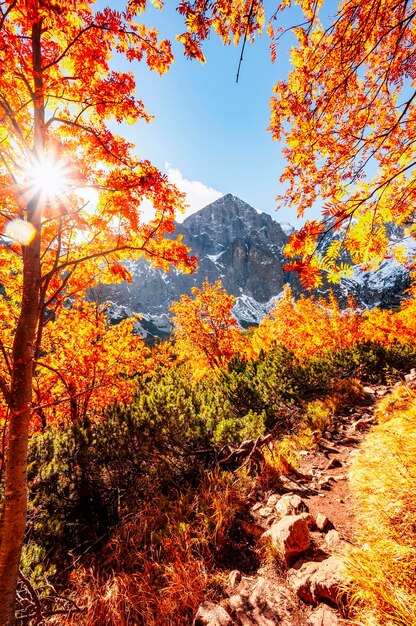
(288,229)
(244,248)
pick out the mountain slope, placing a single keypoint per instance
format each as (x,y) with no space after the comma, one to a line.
(244,248)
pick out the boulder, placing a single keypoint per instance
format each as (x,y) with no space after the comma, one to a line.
(290,536)
(291,504)
(323,616)
(210,614)
(315,581)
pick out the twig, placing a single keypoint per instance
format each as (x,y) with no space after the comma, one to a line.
(33,595)
(249,16)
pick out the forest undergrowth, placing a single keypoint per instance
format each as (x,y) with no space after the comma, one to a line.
(137,513)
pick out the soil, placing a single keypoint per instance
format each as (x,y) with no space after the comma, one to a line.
(325,490)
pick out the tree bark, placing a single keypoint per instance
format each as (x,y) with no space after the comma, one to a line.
(15,495)
(13,521)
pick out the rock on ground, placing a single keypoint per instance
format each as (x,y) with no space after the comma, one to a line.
(264,602)
(290,504)
(315,581)
(323,616)
(210,614)
(290,536)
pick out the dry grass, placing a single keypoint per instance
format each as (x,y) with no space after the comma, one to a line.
(318,416)
(157,567)
(383,481)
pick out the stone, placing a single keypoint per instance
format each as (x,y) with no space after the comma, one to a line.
(351,440)
(369,390)
(339,477)
(291,504)
(325,484)
(321,521)
(273,499)
(210,614)
(291,485)
(332,539)
(316,581)
(333,463)
(323,616)
(363,424)
(309,519)
(265,511)
(234,578)
(264,601)
(290,536)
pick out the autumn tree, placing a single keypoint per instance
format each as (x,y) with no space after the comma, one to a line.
(309,326)
(57,94)
(347,117)
(86,362)
(206,332)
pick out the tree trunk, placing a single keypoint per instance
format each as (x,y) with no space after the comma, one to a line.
(13,521)
(15,495)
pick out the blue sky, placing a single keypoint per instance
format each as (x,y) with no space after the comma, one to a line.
(210,133)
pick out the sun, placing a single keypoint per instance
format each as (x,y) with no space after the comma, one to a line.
(48,178)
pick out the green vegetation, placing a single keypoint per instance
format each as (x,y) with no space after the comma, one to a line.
(136,500)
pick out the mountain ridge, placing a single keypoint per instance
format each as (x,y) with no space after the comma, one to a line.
(244,248)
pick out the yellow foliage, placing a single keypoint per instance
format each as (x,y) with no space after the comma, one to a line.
(308,326)
(383,480)
(312,327)
(206,333)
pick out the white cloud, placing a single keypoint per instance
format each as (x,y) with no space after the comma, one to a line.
(198,195)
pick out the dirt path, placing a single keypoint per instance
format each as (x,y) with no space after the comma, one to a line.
(329,491)
(311,521)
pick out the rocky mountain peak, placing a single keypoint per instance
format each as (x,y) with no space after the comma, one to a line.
(227,219)
(244,248)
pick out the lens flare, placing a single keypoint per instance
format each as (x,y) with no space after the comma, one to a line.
(47,177)
(20,231)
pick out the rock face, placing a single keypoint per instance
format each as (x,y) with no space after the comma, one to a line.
(244,248)
(233,242)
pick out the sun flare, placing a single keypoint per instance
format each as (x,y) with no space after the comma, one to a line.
(48,177)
